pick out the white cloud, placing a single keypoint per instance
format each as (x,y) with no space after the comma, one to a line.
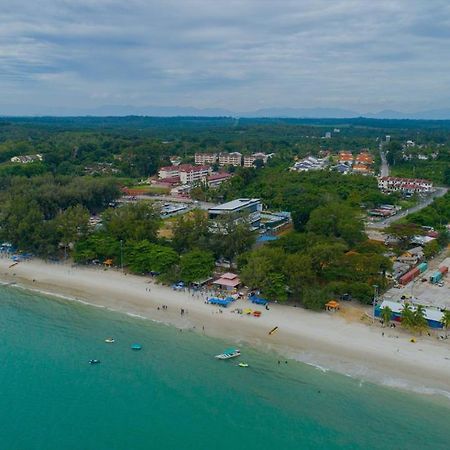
(237,54)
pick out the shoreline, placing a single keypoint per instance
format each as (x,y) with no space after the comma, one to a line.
(326,341)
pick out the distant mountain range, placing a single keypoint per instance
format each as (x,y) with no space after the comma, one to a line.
(170,111)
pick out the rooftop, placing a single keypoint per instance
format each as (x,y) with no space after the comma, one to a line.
(405,180)
(235,204)
(219,176)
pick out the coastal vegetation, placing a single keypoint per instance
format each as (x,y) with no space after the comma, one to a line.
(46,206)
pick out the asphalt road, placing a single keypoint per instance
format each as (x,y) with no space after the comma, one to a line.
(384,169)
(440,191)
(168,198)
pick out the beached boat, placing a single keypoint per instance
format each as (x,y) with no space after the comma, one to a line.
(229,353)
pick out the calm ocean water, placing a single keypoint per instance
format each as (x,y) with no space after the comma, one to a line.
(174,395)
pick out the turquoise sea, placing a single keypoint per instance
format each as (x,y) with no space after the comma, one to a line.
(174,395)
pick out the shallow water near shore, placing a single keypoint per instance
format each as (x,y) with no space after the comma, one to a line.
(174,395)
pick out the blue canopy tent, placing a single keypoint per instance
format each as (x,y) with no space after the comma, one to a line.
(258,300)
(219,301)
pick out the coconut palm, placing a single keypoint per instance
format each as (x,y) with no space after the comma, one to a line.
(386,314)
(420,321)
(407,316)
(446,321)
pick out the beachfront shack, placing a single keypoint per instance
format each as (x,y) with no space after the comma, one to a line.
(228,281)
(433,315)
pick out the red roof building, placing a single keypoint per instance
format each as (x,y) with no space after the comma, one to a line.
(228,281)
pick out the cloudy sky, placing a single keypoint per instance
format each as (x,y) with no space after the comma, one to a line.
(242,55)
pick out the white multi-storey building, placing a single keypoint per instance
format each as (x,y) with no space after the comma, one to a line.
(169,172)
(192,174)
(230,159)
(205,158)
(250,159)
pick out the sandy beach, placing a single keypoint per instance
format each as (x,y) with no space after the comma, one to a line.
(339,342)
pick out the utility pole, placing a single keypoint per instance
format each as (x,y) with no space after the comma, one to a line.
(121,255)
(375,298)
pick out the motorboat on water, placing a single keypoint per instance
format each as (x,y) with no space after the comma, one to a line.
(229,353)
(110,340)
(94,361)
(243,364)
(136,347)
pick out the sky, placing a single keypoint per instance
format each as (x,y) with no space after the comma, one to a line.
(240,55)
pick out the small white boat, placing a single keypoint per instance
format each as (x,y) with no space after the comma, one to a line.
(229,353)
(110,340)
(242,364)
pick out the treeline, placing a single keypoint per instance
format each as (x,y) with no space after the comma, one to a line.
(129,236)
(405,162)
(436,215)
(41,213)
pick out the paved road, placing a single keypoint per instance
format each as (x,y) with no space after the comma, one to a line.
(384,169)
(441,191)
(168,198)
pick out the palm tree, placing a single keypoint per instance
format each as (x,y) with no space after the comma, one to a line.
(407,316)
(420,322)
(386,315)
(446,321)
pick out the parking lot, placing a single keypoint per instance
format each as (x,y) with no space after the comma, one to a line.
(424,292)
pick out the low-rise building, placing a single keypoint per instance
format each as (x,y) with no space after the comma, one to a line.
(186,172)
(243,208)
(364,158)
(216,179)
(25,159)
(175,160)
(230,159)
(228,281)
(342,168)
(345,158)
(310,163)
(405,185)
(361,169)
(193,174)
(169,171)
(205,158)
(249,160)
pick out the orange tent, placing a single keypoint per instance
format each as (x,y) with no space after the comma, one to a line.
(332,304)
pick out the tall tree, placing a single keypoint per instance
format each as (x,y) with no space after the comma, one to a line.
(72,224)
(135,222)
(446,320)
(386,315)
(337,220)
(196,265)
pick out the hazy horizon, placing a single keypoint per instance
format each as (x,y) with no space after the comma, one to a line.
(236,56)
